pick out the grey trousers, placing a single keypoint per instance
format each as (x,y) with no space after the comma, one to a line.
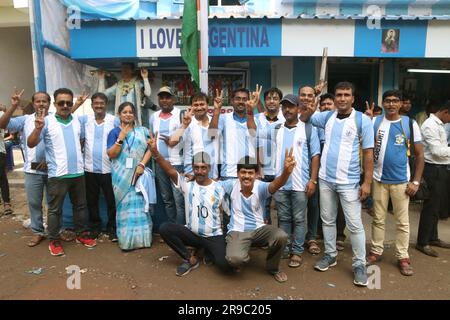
(239,243)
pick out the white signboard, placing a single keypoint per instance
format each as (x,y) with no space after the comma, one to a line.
(158,38)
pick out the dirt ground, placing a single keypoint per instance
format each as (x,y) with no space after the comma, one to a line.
(108,273)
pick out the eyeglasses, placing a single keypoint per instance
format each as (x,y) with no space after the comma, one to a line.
(62,103)
(393,101)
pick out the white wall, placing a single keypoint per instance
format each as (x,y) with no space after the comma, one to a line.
(16,63)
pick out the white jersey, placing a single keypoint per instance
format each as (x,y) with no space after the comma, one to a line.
(236,143)
(25,126)
(95,158)
(167,127)
(296,138)
(62,147)
(340,162)
(246,213)
(202,206)
(266,143)
(197,139)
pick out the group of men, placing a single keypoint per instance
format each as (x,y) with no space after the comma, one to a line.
(235,162)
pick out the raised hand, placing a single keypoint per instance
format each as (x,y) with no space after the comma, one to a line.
(254,99)
(187,118)
(289,161)
(218,100)
(81,99)
(153,144)
(101,74)
(16,96)
(144,73)
(39,121)
(369,109)
(319,87)
(124,131)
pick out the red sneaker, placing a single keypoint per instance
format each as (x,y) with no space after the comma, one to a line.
(55,248)
(86,241)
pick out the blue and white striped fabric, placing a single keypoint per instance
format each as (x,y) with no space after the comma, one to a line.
(95,158)
(197,139)
(390,153)
(167,127)
(62,146)
(247,214)
(266,145)
(340,162)
(25,126)
(236,143)
(202,206)
(296,138)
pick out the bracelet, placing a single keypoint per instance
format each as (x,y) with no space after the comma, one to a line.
(315,182)
(118,144)
(141,165)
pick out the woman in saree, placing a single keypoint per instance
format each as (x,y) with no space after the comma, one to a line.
(127,149)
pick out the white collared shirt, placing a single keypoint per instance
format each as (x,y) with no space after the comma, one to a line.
(434,139)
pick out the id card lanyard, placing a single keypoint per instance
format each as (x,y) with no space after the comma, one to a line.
(129,161)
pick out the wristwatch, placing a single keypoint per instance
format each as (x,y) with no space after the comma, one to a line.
(315,182)
(118,141)
(416,183)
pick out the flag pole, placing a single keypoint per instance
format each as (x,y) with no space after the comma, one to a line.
(203,53)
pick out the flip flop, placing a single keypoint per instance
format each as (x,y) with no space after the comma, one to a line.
(296,261)
(280,276)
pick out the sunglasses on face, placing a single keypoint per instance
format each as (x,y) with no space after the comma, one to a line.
(62,103)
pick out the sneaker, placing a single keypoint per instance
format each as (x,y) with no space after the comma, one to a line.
(55,248)
(326,262)
(373,258)
(360,276)
(405,267)
(86,241)
(186,267)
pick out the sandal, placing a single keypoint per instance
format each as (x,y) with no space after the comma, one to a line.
(296,261)
(280,276)
(7,209)
(35,240)
(313,247)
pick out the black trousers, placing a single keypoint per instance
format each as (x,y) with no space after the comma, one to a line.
(4,184)
(57,190)
(94,183)
(436,177)
(178,237)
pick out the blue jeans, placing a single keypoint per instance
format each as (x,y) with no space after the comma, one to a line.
(291,206)
(172,197)
(351,205)
(34,187)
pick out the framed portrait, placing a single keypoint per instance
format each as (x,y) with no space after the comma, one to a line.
(390,40)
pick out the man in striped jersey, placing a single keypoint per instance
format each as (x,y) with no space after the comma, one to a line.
(292,198)
(265,123)
(61,133)
(97,165)
(247,228)
(166,122)
(203,229)
(346,132)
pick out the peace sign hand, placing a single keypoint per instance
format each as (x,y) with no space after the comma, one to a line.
(370,109)
(218,100)
(254,99)
(81,99)
(15,98)
(289,161)
(144,73)
(152,143)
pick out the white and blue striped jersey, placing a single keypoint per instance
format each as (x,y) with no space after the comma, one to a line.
(167,127)
(95,139)
(340,162)
(390,158)
(202,206)
(62,146)
(265,143)
(236,143)
(247,214)
(296,138)
(197,139)
(25,126)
